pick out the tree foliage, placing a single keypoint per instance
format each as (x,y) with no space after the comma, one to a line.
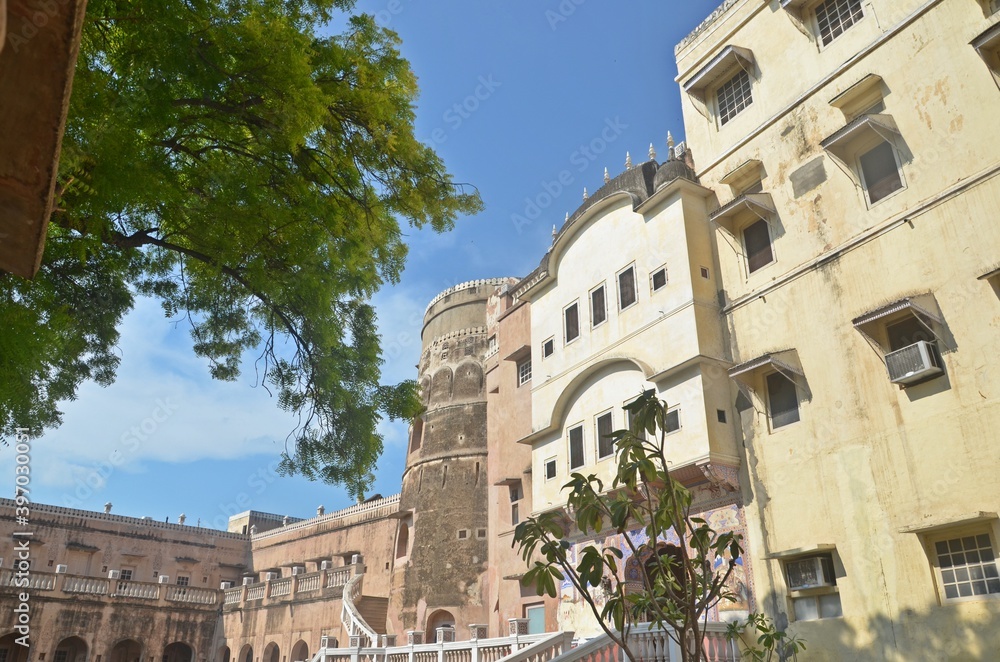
(232,160)
(677,591)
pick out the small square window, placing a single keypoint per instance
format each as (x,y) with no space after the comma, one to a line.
(125,574)
(757,244)
(51,562)
(515,514)
(834,17)
(782,399)
(721,414)
(481,534)
(733,96)
(550,468)
(576,447)
(183,581)
(966,565)
(571,322)
(659,279)
(672,421)
(598,307)
(626,288)
(880,172)
(548,347)
(605,444)
(524,372)
(463,534)
(705,273)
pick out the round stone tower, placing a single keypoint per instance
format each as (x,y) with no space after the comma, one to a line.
(441,547)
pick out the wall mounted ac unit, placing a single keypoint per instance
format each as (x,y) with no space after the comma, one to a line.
(224,585)
(270,576)
(912,363)
(326,641)
(298,570)
(163,579)
(325,565)
(812,572)
(62,569)
(114,574)
(248,580)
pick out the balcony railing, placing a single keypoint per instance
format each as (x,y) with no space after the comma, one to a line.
(65,585)
(284,589)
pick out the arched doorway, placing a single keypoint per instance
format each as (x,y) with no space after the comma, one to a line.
(71,649)
(246,654)
(12,651)
(300,651)
(271,653)
(178,652)
(224,654)
(439,618)
(126,650)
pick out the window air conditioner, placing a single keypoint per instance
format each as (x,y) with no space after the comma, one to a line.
(114,574)
(62,569)
(248,580)
(225,585)
(812,572)
(270,576)
(325,565)
(163,579)
(327,641)
(298,570)
(912,363)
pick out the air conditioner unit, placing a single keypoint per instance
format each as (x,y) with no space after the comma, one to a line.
(114,574)
(62,569)
(270,576)
(811,572)
(327,641)
(163,579)
(248,580)
(298,570)
(912,363)
(325,565)
(224,585)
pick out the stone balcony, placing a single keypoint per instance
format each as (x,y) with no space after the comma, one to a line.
(321,585)
(65,586)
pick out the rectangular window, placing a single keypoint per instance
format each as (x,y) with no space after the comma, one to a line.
(598,308)
(550,468)
(834,17)
(605,444)
(576,447)
(813,586)
(183,581)
(515,518)
(967,567)
(906,332)
(626,288)
(126,574)
(548,347)
(672,422)
(536,619)
(783,400)
(734,96)
(572,322)
(757,242)
(524,372)
(659,278)
(880,172)
(491,344)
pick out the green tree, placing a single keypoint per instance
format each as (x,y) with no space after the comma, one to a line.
(252,173)
(678,590)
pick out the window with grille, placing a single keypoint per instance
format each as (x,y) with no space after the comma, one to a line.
(524,372)
(757,243)
(598,309)
(968,567)
(605,444)
(126,575)
(880,172)
(571,319)
(782,399)
(183,581)
(626,288)
(734,96)
(834,17)
(576,447)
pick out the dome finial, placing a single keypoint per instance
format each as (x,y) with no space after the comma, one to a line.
(585,194)
(607,177)
(671,155)
(652,152)
(628,161)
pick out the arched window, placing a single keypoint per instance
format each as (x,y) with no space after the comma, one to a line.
(402,540)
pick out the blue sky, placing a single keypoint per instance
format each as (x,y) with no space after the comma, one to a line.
(514,96)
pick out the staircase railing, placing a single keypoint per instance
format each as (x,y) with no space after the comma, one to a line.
(653,645)
(351,617)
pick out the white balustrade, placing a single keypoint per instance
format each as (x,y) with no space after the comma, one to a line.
(308,582)
(281,587)
(193,595)
(339,576)
(91,585)
(255,591)
(233,595)
(140,590)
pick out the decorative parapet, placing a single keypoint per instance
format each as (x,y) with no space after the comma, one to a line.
(41,508)
(357,513)
(462,333)
(468,285)
(705,25)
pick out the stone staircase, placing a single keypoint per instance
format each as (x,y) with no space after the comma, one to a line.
(375,612)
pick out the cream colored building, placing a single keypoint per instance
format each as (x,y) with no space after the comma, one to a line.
(854,151)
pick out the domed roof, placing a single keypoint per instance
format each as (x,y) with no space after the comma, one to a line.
(671,170)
